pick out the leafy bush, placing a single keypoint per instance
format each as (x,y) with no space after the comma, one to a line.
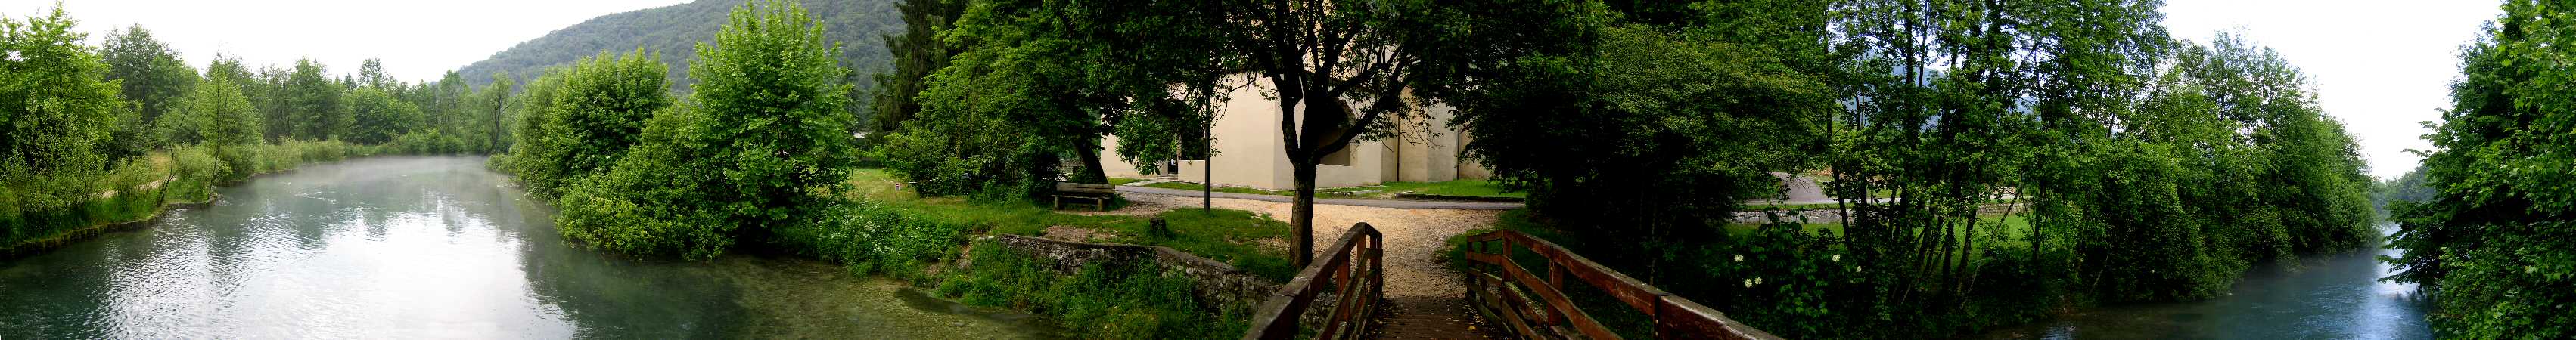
(2496,244)
(582,119)
(874,239)
(1096,302)
(758,148)
(194,170)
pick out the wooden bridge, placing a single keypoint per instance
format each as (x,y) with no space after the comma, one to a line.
(1526,305)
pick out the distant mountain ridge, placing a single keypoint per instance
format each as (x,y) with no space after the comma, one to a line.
(675,30)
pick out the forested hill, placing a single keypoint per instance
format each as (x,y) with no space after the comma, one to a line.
(675,31)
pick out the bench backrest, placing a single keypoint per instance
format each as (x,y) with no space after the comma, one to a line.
(1088,188)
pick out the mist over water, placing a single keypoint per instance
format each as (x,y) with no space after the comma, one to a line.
(434,247)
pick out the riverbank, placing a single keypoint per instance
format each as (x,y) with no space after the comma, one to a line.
(409,247)
(141,191)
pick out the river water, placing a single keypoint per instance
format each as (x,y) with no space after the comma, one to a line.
(435,247)
(2330,297)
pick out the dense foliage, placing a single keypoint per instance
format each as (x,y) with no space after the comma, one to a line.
(1130,301)
(2496,244)
(95,135)
(1620,129)
(153,78)
(917,52)
(1997,160)
(758,146)
(580,120)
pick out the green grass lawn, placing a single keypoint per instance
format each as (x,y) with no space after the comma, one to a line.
(1197,187)
(1231,236)
(1463,187)
(1124,181)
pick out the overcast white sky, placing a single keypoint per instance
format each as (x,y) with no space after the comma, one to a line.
(2380,65)
(418,39)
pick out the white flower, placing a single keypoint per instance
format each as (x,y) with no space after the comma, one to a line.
(1838,257)
(1739,257)
(1857,269)
(1757,280)
(1748,283)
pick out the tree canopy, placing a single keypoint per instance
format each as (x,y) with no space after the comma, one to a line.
(764,134)
(2496,245)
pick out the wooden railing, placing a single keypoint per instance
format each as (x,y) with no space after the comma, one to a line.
(1498,283)
(1353,266)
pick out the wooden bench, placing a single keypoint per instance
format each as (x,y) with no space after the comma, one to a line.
(1098,194)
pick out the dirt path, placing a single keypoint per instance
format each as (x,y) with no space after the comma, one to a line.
(1427,300)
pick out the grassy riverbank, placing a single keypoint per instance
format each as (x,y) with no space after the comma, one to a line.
(46,210)
(886,229)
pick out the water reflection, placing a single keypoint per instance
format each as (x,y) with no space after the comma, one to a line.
(2333,297)
(435,247)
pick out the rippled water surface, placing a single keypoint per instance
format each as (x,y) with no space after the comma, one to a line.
(433,247)
(2332,297)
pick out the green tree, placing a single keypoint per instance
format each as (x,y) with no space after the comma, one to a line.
(491,110)
(227,122)
(1620,130)
(55,105)
(378,116)
(1344,69)
(591,114)
(152,77)
(918,52)
(1053,71)
(268,92)
(317,105)
(371,73)
(757,147)
(2497,246)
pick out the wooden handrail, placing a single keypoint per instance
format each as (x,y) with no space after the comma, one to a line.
(1675,317)
(1352,264)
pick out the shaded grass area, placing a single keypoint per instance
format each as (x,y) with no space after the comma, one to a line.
(1095,302)
(890,230)
(1124,181)
(1232,236)
(1463,187)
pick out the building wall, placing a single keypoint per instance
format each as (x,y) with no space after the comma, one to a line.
(1249,152)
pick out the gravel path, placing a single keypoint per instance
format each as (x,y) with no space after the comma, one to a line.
(1427,299)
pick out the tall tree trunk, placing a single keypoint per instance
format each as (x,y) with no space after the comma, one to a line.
(1302,214)
(1091,168)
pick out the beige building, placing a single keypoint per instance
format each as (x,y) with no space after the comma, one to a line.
(1250,154)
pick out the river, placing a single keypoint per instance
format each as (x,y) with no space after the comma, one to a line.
(2331,297)
(436,247)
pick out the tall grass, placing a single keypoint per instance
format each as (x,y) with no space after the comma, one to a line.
(54,207)
(1138,301)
